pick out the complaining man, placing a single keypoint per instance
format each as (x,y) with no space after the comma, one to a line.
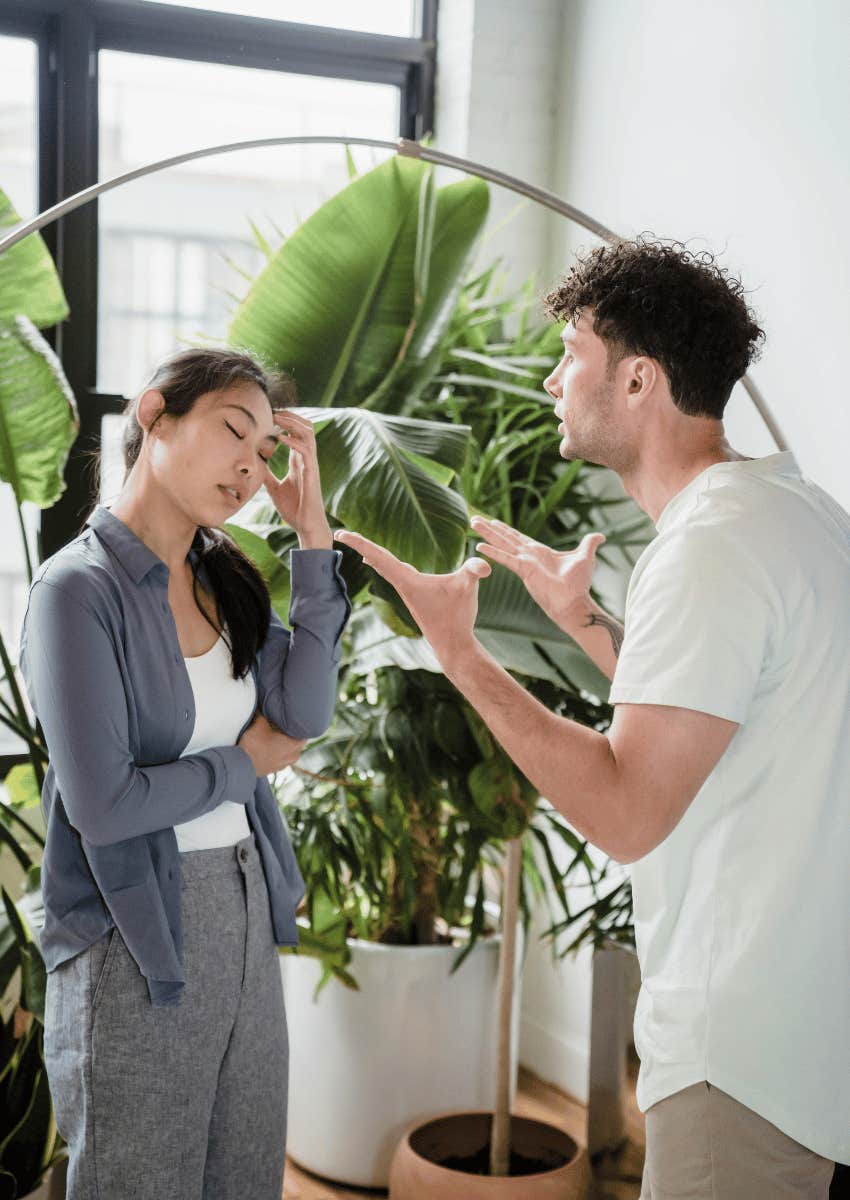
(724,779)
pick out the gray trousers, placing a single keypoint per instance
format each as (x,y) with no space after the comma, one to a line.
(187,1101)
(701,1144)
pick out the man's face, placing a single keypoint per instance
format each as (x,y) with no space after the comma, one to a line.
(585,397)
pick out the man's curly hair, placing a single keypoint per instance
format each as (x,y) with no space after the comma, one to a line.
(672,305)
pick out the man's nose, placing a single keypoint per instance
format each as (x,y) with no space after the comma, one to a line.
(552,385)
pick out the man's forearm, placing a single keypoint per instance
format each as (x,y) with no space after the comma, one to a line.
(598,633)
(569,764)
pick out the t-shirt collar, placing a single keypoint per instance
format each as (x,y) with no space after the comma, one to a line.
(781,463)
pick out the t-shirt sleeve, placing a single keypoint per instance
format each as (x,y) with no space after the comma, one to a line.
(698,628)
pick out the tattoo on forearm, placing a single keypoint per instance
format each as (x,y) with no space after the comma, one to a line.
(615,629)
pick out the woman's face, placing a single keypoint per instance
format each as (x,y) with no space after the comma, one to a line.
(213,460)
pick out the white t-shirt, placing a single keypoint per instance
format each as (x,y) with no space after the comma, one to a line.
(740,607)
(222,706)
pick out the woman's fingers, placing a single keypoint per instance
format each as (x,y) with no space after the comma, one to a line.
(285,419)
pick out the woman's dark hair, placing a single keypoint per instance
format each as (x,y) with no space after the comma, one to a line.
(239,590)
(672,305)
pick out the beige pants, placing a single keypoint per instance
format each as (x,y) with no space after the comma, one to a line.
(703,1145)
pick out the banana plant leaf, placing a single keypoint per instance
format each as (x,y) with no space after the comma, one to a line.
(29,283)
(382,476)
(38,414)
(362,290)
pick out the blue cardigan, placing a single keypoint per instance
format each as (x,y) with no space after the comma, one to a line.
(106,678)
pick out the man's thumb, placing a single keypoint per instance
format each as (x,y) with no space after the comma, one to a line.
(478,567)
(591,542)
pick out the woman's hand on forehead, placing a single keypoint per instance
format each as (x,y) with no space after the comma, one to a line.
(290,419)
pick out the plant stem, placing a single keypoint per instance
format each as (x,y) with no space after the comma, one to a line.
(24,540)
(12,815)
(500,1138)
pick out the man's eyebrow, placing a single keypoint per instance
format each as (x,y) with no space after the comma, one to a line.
(567,338)
(270,437)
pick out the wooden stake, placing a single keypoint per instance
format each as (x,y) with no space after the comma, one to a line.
(500,1137)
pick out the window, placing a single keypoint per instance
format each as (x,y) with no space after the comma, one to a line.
(394,17)
(174,246)
(18,63)
(169,77)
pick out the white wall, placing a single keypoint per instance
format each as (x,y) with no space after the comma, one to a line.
(496,104)
(729,124)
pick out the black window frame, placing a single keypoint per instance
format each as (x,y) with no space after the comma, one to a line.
(69,35)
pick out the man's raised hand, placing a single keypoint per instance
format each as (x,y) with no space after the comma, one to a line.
(443,606)
(557,579)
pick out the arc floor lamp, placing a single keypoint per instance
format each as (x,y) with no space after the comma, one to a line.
(402,146)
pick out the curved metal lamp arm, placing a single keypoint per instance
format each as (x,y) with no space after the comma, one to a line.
(403,146)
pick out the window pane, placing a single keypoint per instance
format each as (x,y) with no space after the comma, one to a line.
(395,17)
(173,245)
(18,180)
(17,122)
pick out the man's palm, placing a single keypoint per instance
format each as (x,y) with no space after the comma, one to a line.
(556,579)
(443,606)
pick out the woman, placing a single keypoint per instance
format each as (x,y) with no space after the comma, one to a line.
(168,690)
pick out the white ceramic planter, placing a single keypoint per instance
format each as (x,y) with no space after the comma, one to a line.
(364,1066)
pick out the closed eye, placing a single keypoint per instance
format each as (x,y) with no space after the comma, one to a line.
(241,437)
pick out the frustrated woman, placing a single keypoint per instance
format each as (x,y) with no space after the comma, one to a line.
(168,690)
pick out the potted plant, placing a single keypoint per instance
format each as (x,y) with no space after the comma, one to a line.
(400,816)
(481,1155)
(376,357)
(34,395)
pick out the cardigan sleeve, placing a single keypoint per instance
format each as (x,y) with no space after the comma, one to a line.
(298,670)
(76,690)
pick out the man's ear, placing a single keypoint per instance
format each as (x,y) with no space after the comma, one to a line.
(151,403)
(640,381)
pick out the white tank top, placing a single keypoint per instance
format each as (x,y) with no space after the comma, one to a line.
(222,706)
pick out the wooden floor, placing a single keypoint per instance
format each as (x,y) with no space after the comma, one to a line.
(617,1176)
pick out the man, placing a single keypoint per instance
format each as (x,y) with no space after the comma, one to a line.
(724,778)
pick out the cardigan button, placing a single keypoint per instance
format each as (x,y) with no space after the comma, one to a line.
(186,715)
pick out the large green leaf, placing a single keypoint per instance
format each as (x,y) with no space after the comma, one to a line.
(366,284)
(309,309)
(38,414)
(29,284)
(374,484)
(456,217)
